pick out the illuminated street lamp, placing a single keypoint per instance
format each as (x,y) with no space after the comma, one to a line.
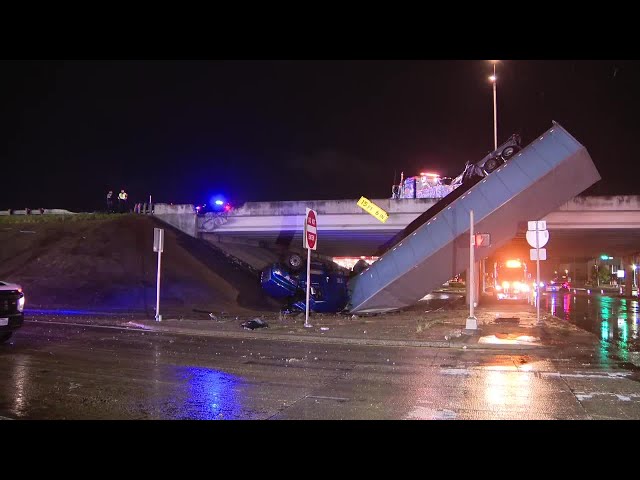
(494,80)
(634,266)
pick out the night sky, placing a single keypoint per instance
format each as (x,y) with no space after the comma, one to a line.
(183,131)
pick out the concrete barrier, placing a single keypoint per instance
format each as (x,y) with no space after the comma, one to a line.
(182,217)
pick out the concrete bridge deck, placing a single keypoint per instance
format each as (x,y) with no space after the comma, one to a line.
(583,227)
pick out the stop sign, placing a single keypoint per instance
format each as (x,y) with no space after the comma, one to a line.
(311,230)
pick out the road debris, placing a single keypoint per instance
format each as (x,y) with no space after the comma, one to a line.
(253,324)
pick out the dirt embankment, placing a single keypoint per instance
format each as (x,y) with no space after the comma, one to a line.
(107,263)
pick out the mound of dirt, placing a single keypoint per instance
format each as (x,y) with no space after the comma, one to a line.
(108,264)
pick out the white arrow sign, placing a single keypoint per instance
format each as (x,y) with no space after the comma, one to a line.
(543,238)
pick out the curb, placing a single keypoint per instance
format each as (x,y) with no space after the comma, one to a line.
(462,343)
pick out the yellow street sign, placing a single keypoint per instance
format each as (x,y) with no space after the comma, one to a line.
(371,208)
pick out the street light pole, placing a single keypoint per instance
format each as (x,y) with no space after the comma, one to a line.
(472,321)
(494,80)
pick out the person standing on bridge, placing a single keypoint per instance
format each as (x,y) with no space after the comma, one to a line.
(122,201)
(110,201)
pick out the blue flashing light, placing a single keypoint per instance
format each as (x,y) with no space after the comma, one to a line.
(217,201)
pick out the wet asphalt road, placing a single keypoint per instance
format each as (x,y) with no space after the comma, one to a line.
(80,372)
(614,320)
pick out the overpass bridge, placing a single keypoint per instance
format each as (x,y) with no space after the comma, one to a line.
(580,229)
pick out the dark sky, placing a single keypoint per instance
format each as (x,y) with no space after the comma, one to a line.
(292,130)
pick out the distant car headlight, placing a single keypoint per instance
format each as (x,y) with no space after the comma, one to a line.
(21,304)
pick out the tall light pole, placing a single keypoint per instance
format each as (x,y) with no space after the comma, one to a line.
(494,80)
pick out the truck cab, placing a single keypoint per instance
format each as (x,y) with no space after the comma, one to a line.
(328,285)
(491,162)
(511,280)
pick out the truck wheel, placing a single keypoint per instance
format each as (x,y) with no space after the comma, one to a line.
(294,262)
(491,165)
(5,336)
(508,152)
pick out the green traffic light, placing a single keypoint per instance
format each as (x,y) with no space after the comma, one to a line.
(604,257)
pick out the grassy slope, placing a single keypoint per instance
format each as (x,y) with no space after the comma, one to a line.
(106,262)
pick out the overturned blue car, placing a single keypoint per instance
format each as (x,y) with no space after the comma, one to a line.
(288,281)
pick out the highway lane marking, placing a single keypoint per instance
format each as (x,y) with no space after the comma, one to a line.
(339,399)
(612,375)
(87,325)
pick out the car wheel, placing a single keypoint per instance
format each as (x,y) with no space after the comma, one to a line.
(294,262)
(5,336)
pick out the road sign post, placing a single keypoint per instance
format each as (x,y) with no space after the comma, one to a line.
(158,246)
(537,237)
(310,242)
(538,321)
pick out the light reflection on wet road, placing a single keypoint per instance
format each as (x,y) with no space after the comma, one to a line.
(71,372)
(613,319)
